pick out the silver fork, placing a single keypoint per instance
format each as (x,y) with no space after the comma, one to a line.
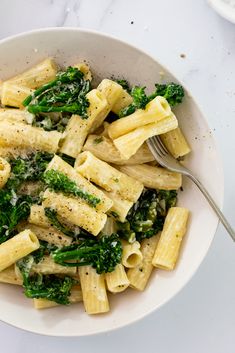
(165,159)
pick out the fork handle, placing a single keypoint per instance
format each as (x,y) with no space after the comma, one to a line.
(214,206)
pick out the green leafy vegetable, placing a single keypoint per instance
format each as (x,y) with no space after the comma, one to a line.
(67,93)
(49,287)
(27,169)
(147,215)
(140,99)
(13,209)
(13,206)
(59,182)
(173,93)
(102,254)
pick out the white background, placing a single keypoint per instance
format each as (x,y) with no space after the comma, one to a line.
(201,318)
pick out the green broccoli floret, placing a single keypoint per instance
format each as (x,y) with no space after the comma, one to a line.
(102,254)
(147,215)
(173,92)
(65,94)
(140,99)
(59,182)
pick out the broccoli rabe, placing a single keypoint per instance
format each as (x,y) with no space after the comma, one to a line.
(65,94)
(30,168)
(103,254)
(173,93)
(140,99)
(49,287)
(147,215)
(13,209)
(59,182)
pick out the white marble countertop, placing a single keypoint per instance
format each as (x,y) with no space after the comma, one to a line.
(201,318)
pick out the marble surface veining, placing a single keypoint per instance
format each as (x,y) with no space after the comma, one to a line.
(199,47)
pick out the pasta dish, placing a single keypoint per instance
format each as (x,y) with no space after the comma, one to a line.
(85,211)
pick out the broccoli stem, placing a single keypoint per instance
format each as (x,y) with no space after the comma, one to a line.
(59,182)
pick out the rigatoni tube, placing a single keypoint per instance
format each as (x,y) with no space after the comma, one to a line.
(21,116)
(94,293)
(155,110)
(47,266)
(104,149)
(9,276)
(108,177)
(13,95)
(50,235)
(176,143)
(153,177)
(129,143)
(112,91)
(117,280)
(36,76)
(174,229)
(131,254)
(75,211)
(26,136)
(123,101)
(139,275)
(17,247)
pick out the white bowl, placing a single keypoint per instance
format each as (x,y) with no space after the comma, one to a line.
(108,56)
(225,8)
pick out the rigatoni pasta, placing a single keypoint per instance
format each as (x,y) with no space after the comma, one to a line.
(104,149)
(17,247)
(139,275)
(153,177)
(107,177)
(25,136)
(174,229)
(94,293)
(12,95)
(155,111)
(75,211)
(129,143)
(176,143)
